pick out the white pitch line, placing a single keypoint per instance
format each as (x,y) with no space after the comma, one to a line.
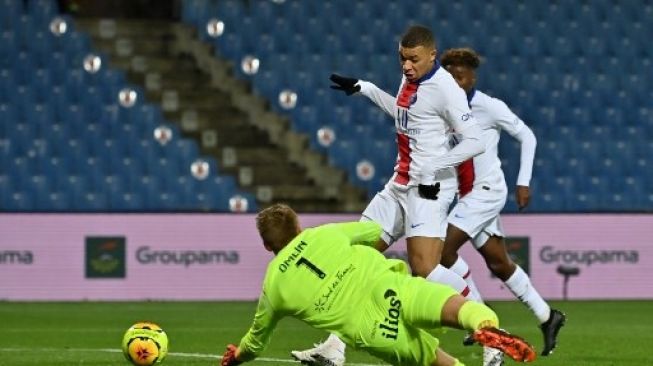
(176,354)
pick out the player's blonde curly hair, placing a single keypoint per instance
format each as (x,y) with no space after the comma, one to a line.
(460,57)
(277,225)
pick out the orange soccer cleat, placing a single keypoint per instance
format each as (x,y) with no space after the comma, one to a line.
(513,346)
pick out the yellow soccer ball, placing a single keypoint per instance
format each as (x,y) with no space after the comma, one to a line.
(145,344)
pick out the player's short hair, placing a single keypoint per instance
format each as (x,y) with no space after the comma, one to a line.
(418,35)
(277,225)
(460,57)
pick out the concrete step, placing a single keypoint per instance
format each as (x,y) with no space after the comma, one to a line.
(135,28)
(227,131)
(126,47)
(283,192)
(269,175)
(249,156)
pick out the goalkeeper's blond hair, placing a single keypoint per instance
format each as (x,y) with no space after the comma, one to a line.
(277,225)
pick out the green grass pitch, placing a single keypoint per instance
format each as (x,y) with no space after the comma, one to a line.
(40,333)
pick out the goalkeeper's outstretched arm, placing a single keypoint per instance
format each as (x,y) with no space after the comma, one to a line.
(361,232)
(258,336)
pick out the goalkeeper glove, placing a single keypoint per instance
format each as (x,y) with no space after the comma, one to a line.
(348,85)
(429,191)
(229,356)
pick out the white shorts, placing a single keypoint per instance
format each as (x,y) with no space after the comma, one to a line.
(477,214)
(401,211)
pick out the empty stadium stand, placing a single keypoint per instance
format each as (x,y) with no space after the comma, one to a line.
(578,72)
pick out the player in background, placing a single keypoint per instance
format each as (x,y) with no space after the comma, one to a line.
(415,202)
(483,192)
(330,278)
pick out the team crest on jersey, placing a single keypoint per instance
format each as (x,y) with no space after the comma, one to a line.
(413,99)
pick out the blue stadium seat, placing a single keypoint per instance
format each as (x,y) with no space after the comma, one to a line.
(305,119)
(19,201)
(192,11)
(38,187)
(219,189)
(8,48)
(42,11)
(182,149)
(161,200)
(57,201)
(7,85)
(230,10)
(146,186)
(125,202)
(8,117)
(90,201)
(11,12)
(76,47)
(294,12)
(382,153)
(344,154)
(268,84)
(6,187)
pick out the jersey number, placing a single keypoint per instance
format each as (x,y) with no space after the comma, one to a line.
(318,272)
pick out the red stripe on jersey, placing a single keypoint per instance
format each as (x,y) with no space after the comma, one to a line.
(465,292)
(405,99)
(466,177)
(467,274)
(403,164)
(408,90)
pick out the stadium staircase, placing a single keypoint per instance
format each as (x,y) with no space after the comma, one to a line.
(219,112)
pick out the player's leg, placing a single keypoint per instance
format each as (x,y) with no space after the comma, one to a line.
(385,332)
(442,358)
(455,239)
(499,262)
(472,214)
(425,226)
(438,305)
(483,322)
(386,211)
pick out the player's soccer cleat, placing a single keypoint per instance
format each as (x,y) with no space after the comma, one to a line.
(550,329)
(305,357)
(323,354)
(512,345)
(492,357)
(469,340)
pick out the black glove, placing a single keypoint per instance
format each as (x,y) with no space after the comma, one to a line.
(429,191)
(348,85)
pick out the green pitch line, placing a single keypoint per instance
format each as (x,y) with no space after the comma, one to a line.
(598,333)
(173,354)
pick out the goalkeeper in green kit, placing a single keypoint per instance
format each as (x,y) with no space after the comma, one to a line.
(333,279)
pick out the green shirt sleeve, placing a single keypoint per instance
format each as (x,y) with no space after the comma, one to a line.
(258,336)
(362,232)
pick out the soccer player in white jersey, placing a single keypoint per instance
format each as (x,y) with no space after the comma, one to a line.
(483,193)
(415,201)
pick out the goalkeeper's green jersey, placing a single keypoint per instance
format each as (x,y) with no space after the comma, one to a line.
(320,277)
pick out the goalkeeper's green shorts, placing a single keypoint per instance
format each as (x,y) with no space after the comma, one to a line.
(392,326)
